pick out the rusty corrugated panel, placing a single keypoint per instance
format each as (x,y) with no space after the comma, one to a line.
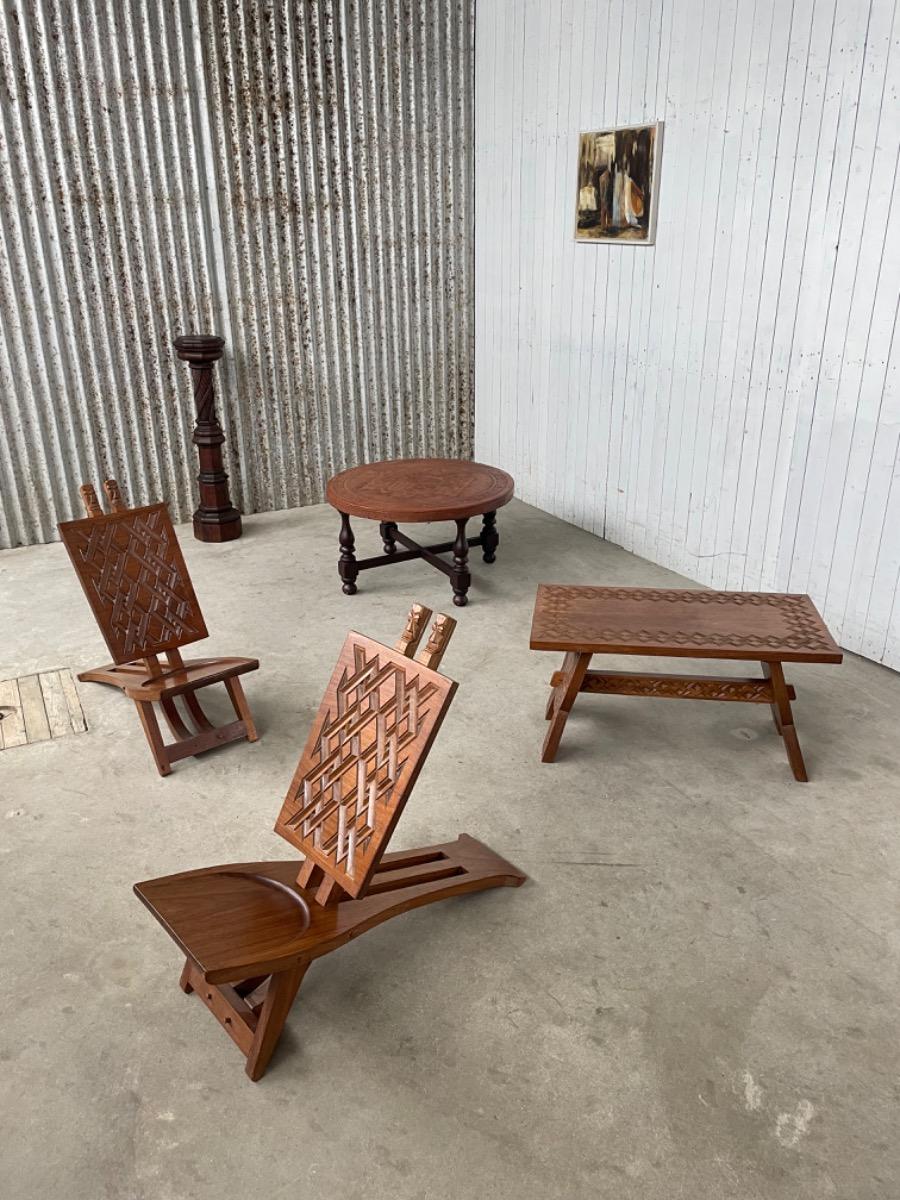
(295,176)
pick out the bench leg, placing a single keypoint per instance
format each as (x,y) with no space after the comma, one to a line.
(557,682)
(784,719)
(561,700)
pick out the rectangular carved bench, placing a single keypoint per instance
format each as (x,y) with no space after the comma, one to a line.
(769,627)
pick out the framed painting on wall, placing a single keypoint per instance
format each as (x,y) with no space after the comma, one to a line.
(618,184)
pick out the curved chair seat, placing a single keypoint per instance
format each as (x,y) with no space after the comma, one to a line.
(147,682)
(242,920)
(138,682)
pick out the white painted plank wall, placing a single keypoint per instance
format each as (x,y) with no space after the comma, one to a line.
(725,403)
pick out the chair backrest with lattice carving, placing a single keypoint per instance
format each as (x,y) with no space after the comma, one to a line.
(375,725)
(134,575)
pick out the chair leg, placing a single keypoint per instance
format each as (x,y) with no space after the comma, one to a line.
(276,1006)
(185,981)
(198,716)
(248,986)
(173,719)
(784,720)
(154,737)
(241,707)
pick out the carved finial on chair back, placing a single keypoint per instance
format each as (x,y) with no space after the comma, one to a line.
(408,642)
(113,495)
(89,500)
(438,639)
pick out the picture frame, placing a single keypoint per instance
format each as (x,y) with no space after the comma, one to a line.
(617,185)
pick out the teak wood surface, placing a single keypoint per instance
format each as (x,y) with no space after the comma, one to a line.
(420,490)
(132,571)
(373,731)
(249,931)
(769,627)
(215,519)
(678,622)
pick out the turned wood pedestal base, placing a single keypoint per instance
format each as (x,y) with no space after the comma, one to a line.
(769,627)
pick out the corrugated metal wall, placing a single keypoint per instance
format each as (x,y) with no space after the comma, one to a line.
(294,176)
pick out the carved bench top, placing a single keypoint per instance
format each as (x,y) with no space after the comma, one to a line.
(675,622)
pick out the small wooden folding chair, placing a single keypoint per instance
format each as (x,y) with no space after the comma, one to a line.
(251,930)
(133,573)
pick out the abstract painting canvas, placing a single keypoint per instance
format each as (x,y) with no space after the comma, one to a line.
(618,170)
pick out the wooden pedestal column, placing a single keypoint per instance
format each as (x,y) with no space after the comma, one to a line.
(216,519)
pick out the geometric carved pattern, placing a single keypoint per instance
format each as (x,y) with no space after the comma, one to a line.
(133,573)
(659,618)
(677,687)
(372,733)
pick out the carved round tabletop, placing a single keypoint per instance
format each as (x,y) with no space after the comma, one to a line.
(420,489)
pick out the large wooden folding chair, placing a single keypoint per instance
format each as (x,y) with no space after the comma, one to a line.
(251,930)
(137,584)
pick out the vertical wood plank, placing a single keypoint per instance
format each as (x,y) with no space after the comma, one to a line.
(76,716)
(55,705)
(37,727)
(12,726)
(725,403)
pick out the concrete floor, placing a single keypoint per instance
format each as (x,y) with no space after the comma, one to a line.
(696,995)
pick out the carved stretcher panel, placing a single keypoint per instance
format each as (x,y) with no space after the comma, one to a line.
(373,731)
(134,576)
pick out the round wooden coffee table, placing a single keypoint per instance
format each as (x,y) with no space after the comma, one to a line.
(419,490)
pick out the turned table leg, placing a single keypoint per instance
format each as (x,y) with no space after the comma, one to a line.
(347,568)
(388,529)
(784,719)
(460,579)
(490,538)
